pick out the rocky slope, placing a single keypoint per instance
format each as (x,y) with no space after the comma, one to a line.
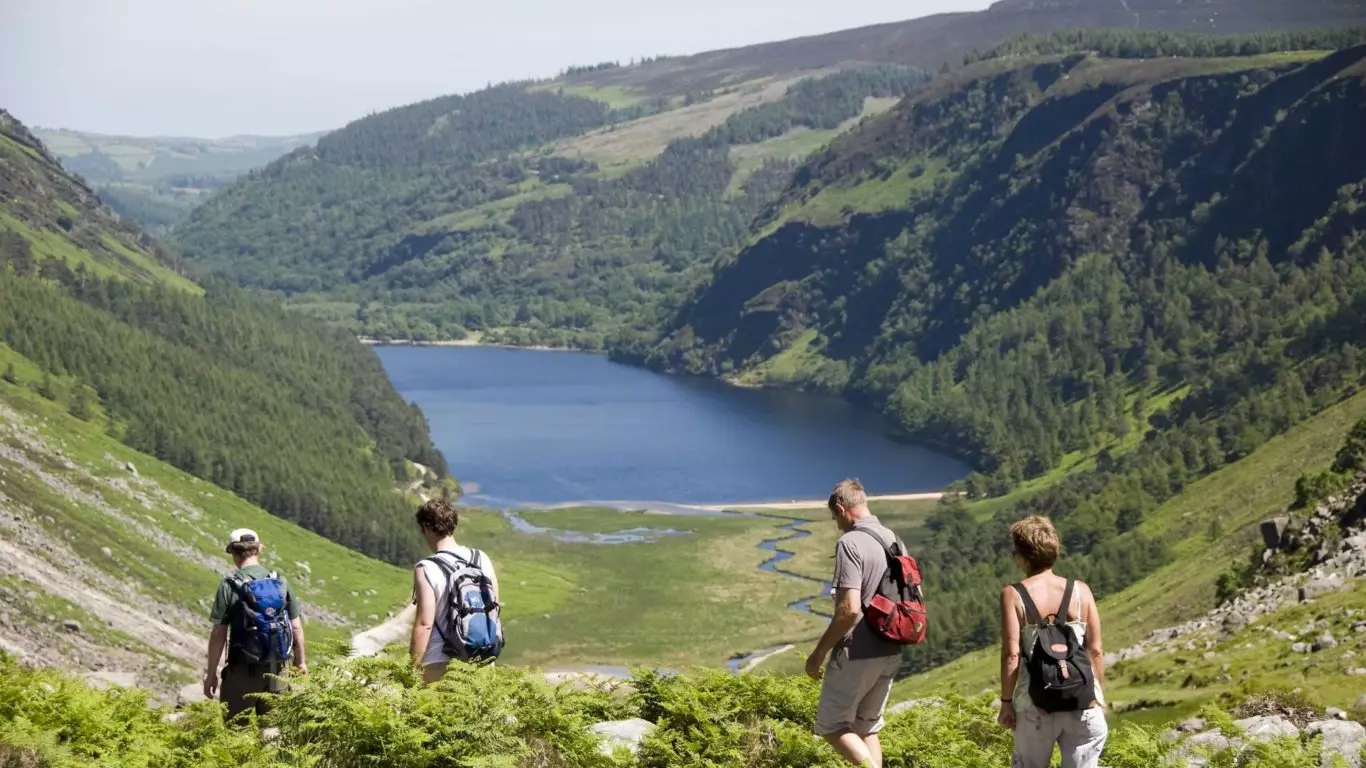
(111,558)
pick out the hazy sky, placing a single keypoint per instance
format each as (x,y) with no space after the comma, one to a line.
(220,67)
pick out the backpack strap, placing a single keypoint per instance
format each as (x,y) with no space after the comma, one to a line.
(1066,602)
(1031,610)
(239,587)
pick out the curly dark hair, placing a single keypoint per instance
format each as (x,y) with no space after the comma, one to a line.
(438,516)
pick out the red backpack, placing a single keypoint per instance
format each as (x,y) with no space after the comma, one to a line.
(897,612)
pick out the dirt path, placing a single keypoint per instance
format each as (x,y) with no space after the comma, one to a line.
(120,615)
(373,640)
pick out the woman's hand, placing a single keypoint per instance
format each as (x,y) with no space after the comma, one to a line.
(1007,716)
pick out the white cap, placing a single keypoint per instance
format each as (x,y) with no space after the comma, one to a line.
(241,535)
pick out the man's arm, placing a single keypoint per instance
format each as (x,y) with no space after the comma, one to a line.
(300,661)
(296,624)
(218,639)
(848,610)
(424,618)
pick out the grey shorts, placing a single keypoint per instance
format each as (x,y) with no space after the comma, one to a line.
(1079,735)
(854,694)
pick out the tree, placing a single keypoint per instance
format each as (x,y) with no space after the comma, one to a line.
(10,376)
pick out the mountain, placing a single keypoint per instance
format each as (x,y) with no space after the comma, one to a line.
(1098,278)
(157,181)
(288,414)
(571,210)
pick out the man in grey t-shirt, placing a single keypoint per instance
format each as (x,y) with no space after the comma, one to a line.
(858,677)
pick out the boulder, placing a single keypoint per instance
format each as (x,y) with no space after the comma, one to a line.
(622,733)
(1325,641)
(190,694)
(71,626)
(1272,530)
(132,470)
(1212,741)
(1357,672)
(1300,648)
(1193,725)
(1321,586)
(1267,728)
(106,551)
(1341,739)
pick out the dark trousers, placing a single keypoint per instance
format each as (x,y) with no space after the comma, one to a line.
(242,681)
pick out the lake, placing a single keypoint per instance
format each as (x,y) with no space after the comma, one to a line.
(526,428)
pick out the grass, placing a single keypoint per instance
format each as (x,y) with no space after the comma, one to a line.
(120,260)
(789,366)
(694,599)
(798,143)
(832,205)
(642,139)
(1239,497)
(615,96)
(497,211)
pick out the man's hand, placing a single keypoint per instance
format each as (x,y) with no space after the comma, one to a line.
(814,665)
(210,685)
(301,669)
(1007,716)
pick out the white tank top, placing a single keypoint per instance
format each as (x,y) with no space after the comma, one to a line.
(440,582)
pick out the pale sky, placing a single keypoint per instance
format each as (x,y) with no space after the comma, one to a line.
(214,68)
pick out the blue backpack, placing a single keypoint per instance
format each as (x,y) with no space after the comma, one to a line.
(261,628)
(470,627)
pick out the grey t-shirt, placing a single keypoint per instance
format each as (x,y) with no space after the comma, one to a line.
(860,563)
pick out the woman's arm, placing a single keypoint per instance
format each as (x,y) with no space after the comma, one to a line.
(424,617)
(1010,656)
(1095,648)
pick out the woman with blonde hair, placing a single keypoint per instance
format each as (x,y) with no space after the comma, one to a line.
(1052,665)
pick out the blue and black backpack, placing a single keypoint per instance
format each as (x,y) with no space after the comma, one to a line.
(261,629)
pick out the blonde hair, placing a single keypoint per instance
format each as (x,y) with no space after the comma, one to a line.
(848,494)
(1036,542)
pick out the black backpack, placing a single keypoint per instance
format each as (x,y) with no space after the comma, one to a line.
(1060,674)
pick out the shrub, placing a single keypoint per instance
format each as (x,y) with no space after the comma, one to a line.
(374,712)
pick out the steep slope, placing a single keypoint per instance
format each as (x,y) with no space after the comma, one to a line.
(1057,275)
(573,210)
(286,413)
(110,556)
(157,181)
(1156,676)
(1012,256)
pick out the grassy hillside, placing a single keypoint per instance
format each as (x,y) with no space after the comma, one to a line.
(157,181)
(1212,526)
(132,548)
(464,214)
(285,412)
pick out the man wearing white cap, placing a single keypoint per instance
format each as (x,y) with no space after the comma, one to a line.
(266,632)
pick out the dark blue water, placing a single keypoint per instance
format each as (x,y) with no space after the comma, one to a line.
(527,427)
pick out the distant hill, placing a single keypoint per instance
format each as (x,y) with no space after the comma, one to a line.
(157,180)
(98,318)
(570,210)
(932,41)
